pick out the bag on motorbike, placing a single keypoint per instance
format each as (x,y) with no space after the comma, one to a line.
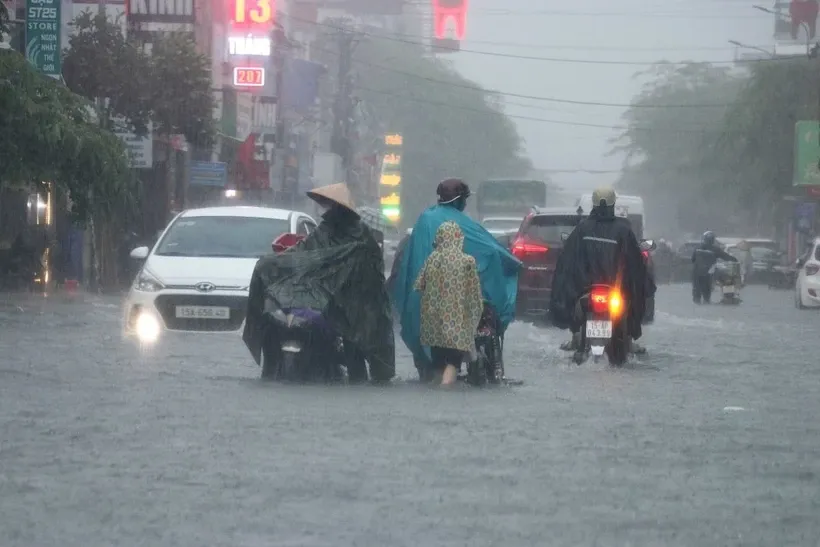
(338,271)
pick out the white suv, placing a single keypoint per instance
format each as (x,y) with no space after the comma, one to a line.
(196,276)
(807,288)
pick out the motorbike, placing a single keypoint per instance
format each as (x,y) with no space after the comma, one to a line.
(488,365)
(301,345)
(604,329)
(728,278)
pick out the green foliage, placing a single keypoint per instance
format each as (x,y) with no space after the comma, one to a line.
(670,144)
(181,97)
(49,135)
(102,65)
(170,87)
(758,145)
(449,125)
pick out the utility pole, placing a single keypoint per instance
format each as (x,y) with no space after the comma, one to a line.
(344,105)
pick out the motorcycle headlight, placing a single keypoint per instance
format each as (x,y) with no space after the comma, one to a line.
(146,282)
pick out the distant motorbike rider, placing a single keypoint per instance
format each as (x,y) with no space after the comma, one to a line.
(704,259)
(602,249)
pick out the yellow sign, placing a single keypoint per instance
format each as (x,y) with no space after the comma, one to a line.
(393,140)
(392,160)
(390,179)
(392,199)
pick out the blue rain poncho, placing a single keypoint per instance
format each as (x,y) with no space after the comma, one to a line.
(497,269)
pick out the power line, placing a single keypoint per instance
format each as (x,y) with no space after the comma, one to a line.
(529,97)
(381,36)
(637,14)
(491,112)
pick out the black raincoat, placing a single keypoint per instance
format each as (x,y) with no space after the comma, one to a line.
(705,256)
(602,249)
(338,270)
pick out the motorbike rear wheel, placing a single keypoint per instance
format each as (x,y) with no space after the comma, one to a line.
(477,370)
(618,349)
(270,370)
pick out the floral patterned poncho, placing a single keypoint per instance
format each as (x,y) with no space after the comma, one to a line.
(451,301)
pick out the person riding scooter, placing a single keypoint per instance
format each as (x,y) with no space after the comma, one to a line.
(338,270)
(498,268)
(602,249)
(704,259)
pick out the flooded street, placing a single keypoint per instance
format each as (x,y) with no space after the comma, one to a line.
(710,440)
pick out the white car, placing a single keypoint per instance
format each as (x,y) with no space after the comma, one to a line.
(197,275)
(807,288)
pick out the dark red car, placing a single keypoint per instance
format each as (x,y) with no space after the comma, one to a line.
(538,245)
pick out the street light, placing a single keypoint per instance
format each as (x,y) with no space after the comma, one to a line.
(802,24)
(745,46)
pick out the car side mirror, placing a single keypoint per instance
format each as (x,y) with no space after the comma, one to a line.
(564,236)
(140,253)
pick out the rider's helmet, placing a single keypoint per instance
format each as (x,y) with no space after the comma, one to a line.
(453,191)
(709,238)
(604,194)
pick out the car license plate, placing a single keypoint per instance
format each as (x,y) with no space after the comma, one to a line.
(599,329)
(203,312)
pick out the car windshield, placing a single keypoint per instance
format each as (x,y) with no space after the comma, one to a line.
(221,236)
(548,228)
(501,224)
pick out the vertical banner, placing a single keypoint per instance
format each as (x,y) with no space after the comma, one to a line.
(43,25)
(390,179)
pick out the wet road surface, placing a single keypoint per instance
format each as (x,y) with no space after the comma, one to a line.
(711,440)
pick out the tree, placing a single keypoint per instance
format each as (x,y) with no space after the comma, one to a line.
(103,66)
(673,128)
(49,134)
(181,97)
(451,126)
(758,142)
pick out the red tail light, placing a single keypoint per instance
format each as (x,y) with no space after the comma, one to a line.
(645,255)
(522,248)
(812,269)
(606,301)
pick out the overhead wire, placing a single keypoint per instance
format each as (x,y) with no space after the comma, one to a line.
(530,97)
(391,37)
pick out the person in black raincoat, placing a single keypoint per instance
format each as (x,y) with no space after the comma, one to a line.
(602,249)
(703,259)
(339,270)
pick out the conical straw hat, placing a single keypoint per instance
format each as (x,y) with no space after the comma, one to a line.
(336,193)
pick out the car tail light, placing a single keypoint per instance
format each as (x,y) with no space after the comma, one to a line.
(812,269)
(606,301)
(522,248)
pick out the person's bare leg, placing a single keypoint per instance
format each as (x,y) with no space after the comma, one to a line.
(449,376)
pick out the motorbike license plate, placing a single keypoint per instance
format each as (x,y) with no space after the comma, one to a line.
(729,289)
(599,329)
(203,312)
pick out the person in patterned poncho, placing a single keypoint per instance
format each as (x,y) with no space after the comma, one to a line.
(451,302)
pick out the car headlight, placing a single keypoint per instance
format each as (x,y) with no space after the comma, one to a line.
(145,282)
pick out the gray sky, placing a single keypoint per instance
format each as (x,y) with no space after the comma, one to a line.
(626,30)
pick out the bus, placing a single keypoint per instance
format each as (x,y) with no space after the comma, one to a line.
(510,197)
(630,207)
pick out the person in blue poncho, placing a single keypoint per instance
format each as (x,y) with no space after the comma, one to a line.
(497,267)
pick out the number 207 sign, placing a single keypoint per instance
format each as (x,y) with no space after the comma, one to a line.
(248,76)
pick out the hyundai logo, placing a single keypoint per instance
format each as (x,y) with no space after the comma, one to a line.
(205,287)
